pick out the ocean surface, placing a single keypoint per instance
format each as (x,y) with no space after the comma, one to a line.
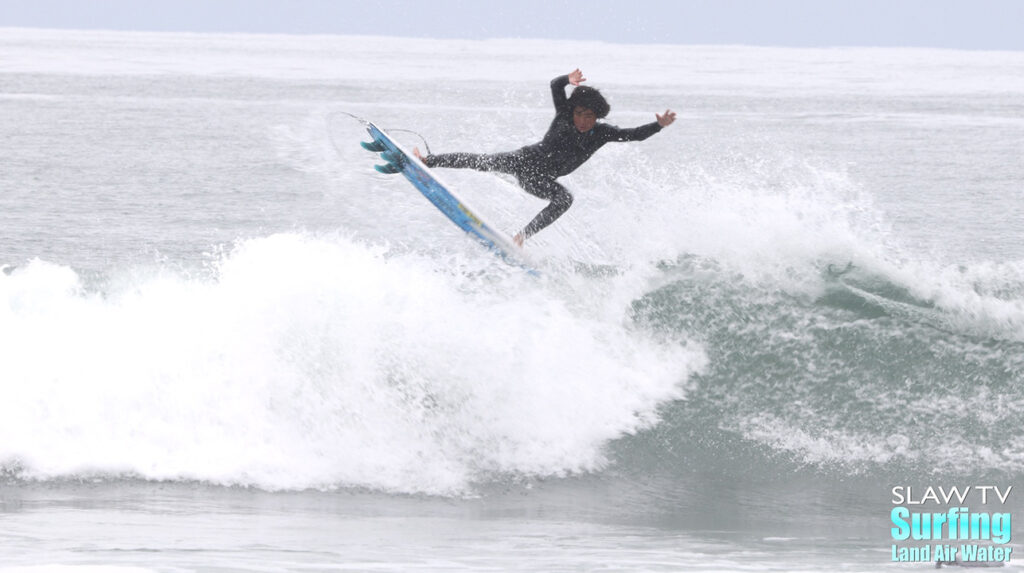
(228,344)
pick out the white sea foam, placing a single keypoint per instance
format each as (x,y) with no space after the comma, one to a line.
(319,362)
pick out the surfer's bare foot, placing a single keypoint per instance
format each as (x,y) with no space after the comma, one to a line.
(416,152)
(518,240)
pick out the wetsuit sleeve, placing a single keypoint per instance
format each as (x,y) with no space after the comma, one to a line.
(558,93)
(631,133)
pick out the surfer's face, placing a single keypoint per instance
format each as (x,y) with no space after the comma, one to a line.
(584,119)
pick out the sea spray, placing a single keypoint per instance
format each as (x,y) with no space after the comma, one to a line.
(320,362)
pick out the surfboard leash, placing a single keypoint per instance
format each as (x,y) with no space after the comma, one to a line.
(423,139)
(392,130)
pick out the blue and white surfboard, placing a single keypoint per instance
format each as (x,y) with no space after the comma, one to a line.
(467,219)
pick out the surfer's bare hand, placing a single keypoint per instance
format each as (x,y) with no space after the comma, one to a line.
(667,118)
(576,77)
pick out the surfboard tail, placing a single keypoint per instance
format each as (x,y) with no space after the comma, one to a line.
(394,159)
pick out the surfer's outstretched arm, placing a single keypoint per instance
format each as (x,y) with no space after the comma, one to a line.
(639,133)
(558,84)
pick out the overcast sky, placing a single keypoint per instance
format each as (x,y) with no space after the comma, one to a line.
(968,24)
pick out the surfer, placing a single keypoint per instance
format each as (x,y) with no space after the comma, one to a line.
(573,137)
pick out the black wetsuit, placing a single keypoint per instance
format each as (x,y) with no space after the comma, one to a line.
(536,166)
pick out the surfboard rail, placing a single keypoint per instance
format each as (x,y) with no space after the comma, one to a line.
(398,160)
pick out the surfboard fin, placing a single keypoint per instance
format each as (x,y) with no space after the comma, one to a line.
(388,169)
(393,158)
(375,146)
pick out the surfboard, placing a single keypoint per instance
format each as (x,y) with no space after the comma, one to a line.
(441,196)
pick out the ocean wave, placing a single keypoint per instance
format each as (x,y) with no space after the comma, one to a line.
(860,373)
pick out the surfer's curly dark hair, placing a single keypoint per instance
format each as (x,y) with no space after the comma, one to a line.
(589,98)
